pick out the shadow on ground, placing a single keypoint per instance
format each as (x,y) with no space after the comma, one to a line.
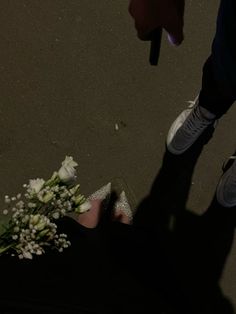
(169,261)
(191,250)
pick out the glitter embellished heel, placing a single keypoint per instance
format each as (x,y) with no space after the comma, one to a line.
(125,206)
(122,207)
(102,194)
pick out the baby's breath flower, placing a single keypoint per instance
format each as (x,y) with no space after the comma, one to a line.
(7,199)
(36,185)
(68,205)
(25,219)
(63,195)
(16,214)
(27,196)
(20,204)
(27,255)
(56,215)
(63,211)
(56,188)
(63,235)
(31,229)
(31,205)
(16,229)
(5,212)
(29,246)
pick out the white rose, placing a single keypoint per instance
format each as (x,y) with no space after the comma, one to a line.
(36,185)
(67,173)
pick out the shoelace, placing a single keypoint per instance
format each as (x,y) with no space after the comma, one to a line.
(192,103)
(195,122)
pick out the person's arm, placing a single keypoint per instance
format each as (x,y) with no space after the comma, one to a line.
(151,14)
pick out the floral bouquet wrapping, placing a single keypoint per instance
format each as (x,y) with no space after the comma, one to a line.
(32,224)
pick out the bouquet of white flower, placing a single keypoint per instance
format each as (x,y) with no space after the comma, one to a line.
(31,227)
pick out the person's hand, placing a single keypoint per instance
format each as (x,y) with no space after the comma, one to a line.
(151,14)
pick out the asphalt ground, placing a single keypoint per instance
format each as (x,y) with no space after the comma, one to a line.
(75,80)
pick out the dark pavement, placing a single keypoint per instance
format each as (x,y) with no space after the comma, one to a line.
(75,80)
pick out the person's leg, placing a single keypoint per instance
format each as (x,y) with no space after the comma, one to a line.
(213,96)
(218,91)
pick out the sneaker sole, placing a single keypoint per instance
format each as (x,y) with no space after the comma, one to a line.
(219,189)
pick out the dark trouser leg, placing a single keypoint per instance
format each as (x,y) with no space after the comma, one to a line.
(218,91)
(212,96)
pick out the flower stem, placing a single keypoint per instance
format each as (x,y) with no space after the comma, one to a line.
(4,249)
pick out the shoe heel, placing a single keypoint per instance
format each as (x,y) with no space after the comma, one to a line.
(118,186)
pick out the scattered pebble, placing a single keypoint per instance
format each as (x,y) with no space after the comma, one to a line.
(121,123)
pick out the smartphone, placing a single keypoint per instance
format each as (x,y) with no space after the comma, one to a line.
(155,37)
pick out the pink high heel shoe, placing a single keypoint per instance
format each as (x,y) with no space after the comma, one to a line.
(102,194)
(98,201)
(122,211)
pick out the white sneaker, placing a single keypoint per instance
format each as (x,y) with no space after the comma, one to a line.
(188,126)
(226,189)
